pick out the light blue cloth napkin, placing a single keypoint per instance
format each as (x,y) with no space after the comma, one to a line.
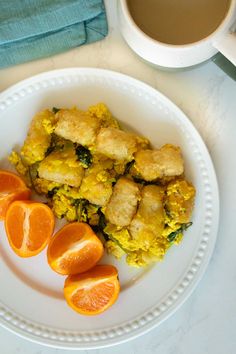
(32,29)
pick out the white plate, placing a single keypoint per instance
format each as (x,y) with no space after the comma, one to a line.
(31,301)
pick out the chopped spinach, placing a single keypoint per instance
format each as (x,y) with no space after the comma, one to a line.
(167,211)
(55,110)
(128,167)
(143,182)
(102,224)
(102,221)
(81,210)
(33,171)
(33,174)
(49,150)
(172,236)
(84,156)
(117,242)
(140,180)
(55,144)
(51,193)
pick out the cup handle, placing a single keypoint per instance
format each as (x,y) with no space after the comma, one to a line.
(227,46)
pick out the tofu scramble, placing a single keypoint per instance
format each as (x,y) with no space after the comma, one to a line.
(135,198)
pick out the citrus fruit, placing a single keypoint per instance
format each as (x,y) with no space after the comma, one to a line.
(94,291)
(29,226)
(12,187)
(74,249)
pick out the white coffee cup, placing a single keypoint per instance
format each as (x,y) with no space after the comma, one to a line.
(223,39)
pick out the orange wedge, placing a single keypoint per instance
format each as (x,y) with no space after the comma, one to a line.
(12,187)
(94,291)
(29,226)
(74,249)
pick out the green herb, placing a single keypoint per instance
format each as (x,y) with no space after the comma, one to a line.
(51,193)
(33,173)
(114,182)
(143,182)
(101,225)
(172,236)
(167,211)
(84,156)
(139,180)
(49,150)
(81,210)
(117,242)
(102,221)
(128,167)
(55,110)
(53,144)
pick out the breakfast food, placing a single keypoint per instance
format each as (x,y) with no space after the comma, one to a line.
(74,249)
(12,187)
(134,197)
(116,144)
(165,162)
(29,226)
(94,291)
(38,138)
(62,167)
(123,202)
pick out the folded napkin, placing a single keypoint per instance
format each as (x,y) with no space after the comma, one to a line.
(32,29)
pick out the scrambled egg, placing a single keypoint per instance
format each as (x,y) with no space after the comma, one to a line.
(135,197)
(38,138)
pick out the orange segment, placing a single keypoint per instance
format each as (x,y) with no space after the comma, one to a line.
(29,226)
(74,249)
(10,181)
(12,187)
(94,291)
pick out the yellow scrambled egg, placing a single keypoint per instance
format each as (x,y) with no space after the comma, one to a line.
(79,183)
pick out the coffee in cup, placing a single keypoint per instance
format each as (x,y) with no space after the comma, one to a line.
(178,22)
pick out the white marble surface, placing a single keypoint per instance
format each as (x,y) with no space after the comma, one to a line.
(206,323)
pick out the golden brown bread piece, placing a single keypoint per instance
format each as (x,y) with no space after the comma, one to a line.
(165,162)
(77,126)
(62,167)
(116,144)
(148,222)
(96,185)
(123,203)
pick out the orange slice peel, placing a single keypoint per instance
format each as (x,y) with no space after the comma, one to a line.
(92,292)
(29,226)
(74,249)
(12,188)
